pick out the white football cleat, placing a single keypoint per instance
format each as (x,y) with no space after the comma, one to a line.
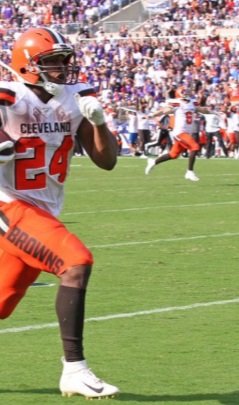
(150,165)
(190,175)
(77,378)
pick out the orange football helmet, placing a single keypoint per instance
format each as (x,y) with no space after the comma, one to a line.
(29,52)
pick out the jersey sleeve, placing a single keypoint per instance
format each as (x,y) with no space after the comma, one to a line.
(7,96)
(85,89)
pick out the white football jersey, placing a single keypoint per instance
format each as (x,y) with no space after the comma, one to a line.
(110,121)
(44,135)
(143,122)
(223,121)
(183,118)
(235,120)
(213,122)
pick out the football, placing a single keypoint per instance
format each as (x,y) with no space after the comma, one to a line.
(4,137)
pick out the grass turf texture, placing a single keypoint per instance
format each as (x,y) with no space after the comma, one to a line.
(159,241)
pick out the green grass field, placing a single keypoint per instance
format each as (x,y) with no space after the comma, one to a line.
(162,317)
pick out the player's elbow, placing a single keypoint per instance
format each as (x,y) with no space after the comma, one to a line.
(105,162)
(110,164)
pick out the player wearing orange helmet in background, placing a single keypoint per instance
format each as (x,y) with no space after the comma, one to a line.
(42,111)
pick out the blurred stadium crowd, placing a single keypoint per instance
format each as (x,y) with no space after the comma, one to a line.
(182,48)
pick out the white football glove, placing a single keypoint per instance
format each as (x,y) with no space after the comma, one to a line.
(4,159)
(91,108)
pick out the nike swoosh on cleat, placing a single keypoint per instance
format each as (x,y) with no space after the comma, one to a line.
(97,390)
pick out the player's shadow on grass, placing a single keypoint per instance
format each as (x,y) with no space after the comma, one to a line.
(230,185)
(229,398)
(32,391)
(71,222)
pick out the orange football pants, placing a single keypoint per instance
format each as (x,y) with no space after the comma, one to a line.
(181,143)
(31,241)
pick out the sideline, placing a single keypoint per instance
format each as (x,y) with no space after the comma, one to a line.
(123,315)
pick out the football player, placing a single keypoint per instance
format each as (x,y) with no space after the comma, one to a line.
(43,110)
(182,134)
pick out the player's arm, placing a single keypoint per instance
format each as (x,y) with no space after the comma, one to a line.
(7,152)
(162,111)
(204,110)
(95,137)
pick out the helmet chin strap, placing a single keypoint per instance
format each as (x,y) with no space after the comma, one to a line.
(52,88)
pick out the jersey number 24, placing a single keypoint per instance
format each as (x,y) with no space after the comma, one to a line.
(57,165)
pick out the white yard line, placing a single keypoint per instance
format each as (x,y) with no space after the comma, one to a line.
(123,315)
(157,207)
(147,242)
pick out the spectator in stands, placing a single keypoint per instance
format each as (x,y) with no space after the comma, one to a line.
(20,11)
(139,78)
(57,8)
(123,32)
(74,13)
(7,11)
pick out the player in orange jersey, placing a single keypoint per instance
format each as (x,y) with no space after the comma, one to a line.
(182,131)
(42,111)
